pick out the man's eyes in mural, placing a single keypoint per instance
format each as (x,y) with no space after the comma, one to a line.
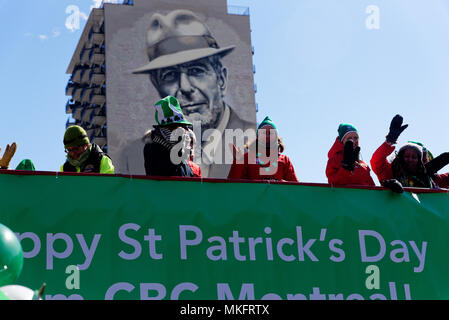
(173,75)
(170,76)
(196,71)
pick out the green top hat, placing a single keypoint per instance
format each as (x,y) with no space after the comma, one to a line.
(168,111)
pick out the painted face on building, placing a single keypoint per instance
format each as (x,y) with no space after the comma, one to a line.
(199,86)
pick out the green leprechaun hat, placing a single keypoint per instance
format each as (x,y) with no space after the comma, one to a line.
(168,111)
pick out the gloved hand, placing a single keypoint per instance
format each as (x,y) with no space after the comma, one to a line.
(356,153)
(7,156)
(434,165)
(393,184)
(396,129)
(349,156)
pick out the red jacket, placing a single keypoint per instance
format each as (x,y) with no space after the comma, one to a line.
(339,176)
(285,170)
(195,169)
(381,166)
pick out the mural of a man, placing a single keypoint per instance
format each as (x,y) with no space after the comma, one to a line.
(185,61)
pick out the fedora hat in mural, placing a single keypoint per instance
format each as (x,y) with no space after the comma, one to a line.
(176,38)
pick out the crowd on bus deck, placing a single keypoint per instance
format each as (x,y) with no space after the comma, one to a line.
(172,138)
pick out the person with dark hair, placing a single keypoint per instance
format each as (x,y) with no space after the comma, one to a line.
(344,166)
(407,168)
(264,159)
(433,165)
(168,149)
(83,156)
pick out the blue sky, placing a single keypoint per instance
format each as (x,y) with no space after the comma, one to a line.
(317,65)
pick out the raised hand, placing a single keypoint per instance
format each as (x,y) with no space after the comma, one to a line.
(393,184)
(396,129)
(349,156)
(7,156)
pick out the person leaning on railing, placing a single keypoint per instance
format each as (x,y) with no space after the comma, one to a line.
(433,165)
(83,156)
(407,168)
(344,166)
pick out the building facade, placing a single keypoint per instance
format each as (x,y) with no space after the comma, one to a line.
(132,54)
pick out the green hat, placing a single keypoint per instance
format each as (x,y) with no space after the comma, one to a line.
(267,121)
(26,164)
(424,149)
(11,256)
(75,136)
(344,129)
(168,111)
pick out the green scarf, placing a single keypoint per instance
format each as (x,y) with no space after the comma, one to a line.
(83,157)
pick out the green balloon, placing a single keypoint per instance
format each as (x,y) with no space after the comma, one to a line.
(11,256)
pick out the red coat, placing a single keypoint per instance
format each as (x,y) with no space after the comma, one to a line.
(195,169)
(285,171)
(339,176)
(379,163)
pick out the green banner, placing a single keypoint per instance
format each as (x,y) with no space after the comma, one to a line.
(112,237)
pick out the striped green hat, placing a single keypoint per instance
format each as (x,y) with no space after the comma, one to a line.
(168,111)
(344,129)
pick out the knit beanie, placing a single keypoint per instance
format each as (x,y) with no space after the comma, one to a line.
(26,164)
(267,121)
(344,129)
(75,136)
